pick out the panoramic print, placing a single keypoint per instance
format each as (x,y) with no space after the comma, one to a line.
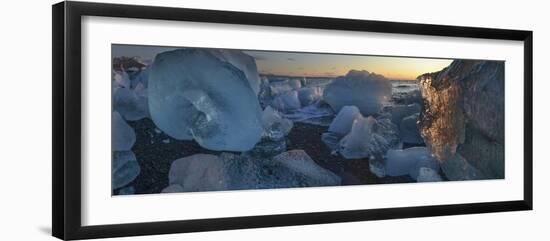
(188,119)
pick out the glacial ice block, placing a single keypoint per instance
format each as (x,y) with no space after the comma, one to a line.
(131,105)
(123,136)
(409,161)
(287,101)
(195,95)
(344,120)
(310,95)
(124,168)
(275,126)
(368,91)
(369,137)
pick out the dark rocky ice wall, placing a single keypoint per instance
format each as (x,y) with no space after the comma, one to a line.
(462,119)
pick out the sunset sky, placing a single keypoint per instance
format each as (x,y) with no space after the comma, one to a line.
(306,64)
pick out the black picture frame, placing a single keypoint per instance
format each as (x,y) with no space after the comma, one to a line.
(67,136)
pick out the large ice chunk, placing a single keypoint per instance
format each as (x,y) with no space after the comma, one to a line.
(125,168)
(195,95)
(123,136)
(368,91)
(344,120)
(228,171)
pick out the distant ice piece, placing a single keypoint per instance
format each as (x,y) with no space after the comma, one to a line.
(123,136)
(242,61)
(369,137)
(287,101)
(131,105)
(409,161)
(408,130)
(141,78)
(317,114)
(343,122)
(279,87)
(367,91)
(124,168)
(310,95)
(120,79)
(195,95)
(295,83)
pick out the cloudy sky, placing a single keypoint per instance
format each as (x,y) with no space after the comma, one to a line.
(307,64)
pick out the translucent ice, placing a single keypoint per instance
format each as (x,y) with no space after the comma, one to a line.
(124,136)
(124,168)
(195,95)
(368,137)
(131,105)
(199,172)
(275,126)
(367,91)
(287,101)
(310,95)
(344,120)
(407,161)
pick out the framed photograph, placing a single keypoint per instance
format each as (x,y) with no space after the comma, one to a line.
(169,120)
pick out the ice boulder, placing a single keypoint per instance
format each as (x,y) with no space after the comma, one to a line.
(409,161)
(131,105)
(243,62)
(310,95)
(195,95)
(369,137)
(228,171)
(299,162)
(408,130)
(199,172)
(287,101)
(123,136)
(368,91)
(124,168)
(343,122)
